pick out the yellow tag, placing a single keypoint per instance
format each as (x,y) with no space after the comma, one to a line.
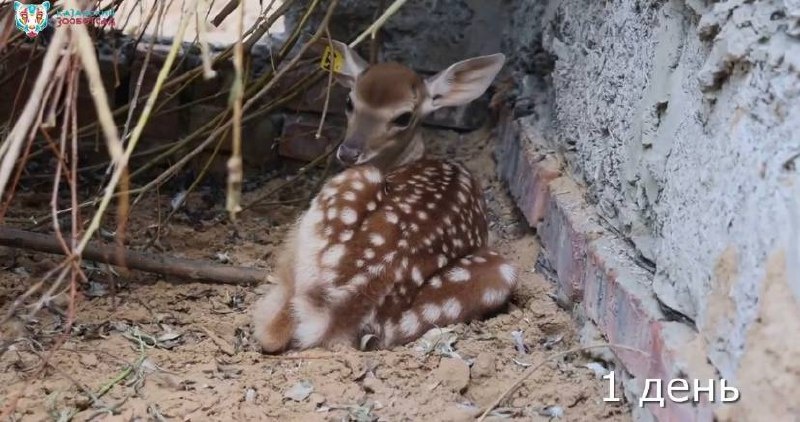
(338,60)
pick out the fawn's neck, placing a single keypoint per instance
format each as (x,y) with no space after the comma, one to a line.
(414,151)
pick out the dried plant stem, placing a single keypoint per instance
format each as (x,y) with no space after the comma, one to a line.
(247,105)
(235,172)
(86,50)
(202,36)
(391,10)
(327,90)
(135,135)
(528,372)
(11,147)
(140,79)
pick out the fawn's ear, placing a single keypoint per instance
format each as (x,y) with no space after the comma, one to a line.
(347,63)
(462,82)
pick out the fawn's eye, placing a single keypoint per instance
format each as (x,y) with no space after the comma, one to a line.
(348,104)
(403,119)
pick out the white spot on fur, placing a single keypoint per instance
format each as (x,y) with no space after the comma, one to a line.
(493,297)
(392,217)
(509,274)
(403,243)
(331,214)
(435,282)
(345,235)
(441,261)
(369,253)
(349,196)
(409,324)
(452,308)
(398,274)
(458,275)
(416,275)
(479,259)
(373,175)
(375,270)
(376,239)
(431,312)
(349,216)
(371,206)
(359,263)
(358,185)
(359,280)
(389,257)
(422,215)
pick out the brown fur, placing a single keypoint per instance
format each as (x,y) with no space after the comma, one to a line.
(388,84)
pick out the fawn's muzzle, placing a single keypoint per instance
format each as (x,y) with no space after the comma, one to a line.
(347,155)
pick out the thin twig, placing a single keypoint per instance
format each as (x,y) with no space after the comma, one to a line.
(528,372)
(135,135)
(10,148)
(233,199)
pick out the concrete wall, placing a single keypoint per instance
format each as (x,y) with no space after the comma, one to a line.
(682,120)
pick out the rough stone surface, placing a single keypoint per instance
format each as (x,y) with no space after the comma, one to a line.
(682,120)
(428,35)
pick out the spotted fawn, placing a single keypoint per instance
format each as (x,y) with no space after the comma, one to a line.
(396,244)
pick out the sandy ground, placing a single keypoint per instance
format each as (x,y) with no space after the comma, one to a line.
(149,349)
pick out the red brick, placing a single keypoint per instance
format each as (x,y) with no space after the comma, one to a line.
(594,270)
(526,171)
(298,140)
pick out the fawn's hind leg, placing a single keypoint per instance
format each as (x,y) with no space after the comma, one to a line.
(470,288)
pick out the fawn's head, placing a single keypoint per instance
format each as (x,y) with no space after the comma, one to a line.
(387,102)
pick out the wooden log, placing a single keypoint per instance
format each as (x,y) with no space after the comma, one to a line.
(185,269)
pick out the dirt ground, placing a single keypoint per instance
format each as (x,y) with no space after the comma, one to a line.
(147,349)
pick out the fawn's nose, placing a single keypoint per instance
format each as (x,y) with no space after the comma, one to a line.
(347,155)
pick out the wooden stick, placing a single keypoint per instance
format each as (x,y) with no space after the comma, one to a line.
(187,269)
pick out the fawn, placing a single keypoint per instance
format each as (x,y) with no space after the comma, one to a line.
(395,244)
